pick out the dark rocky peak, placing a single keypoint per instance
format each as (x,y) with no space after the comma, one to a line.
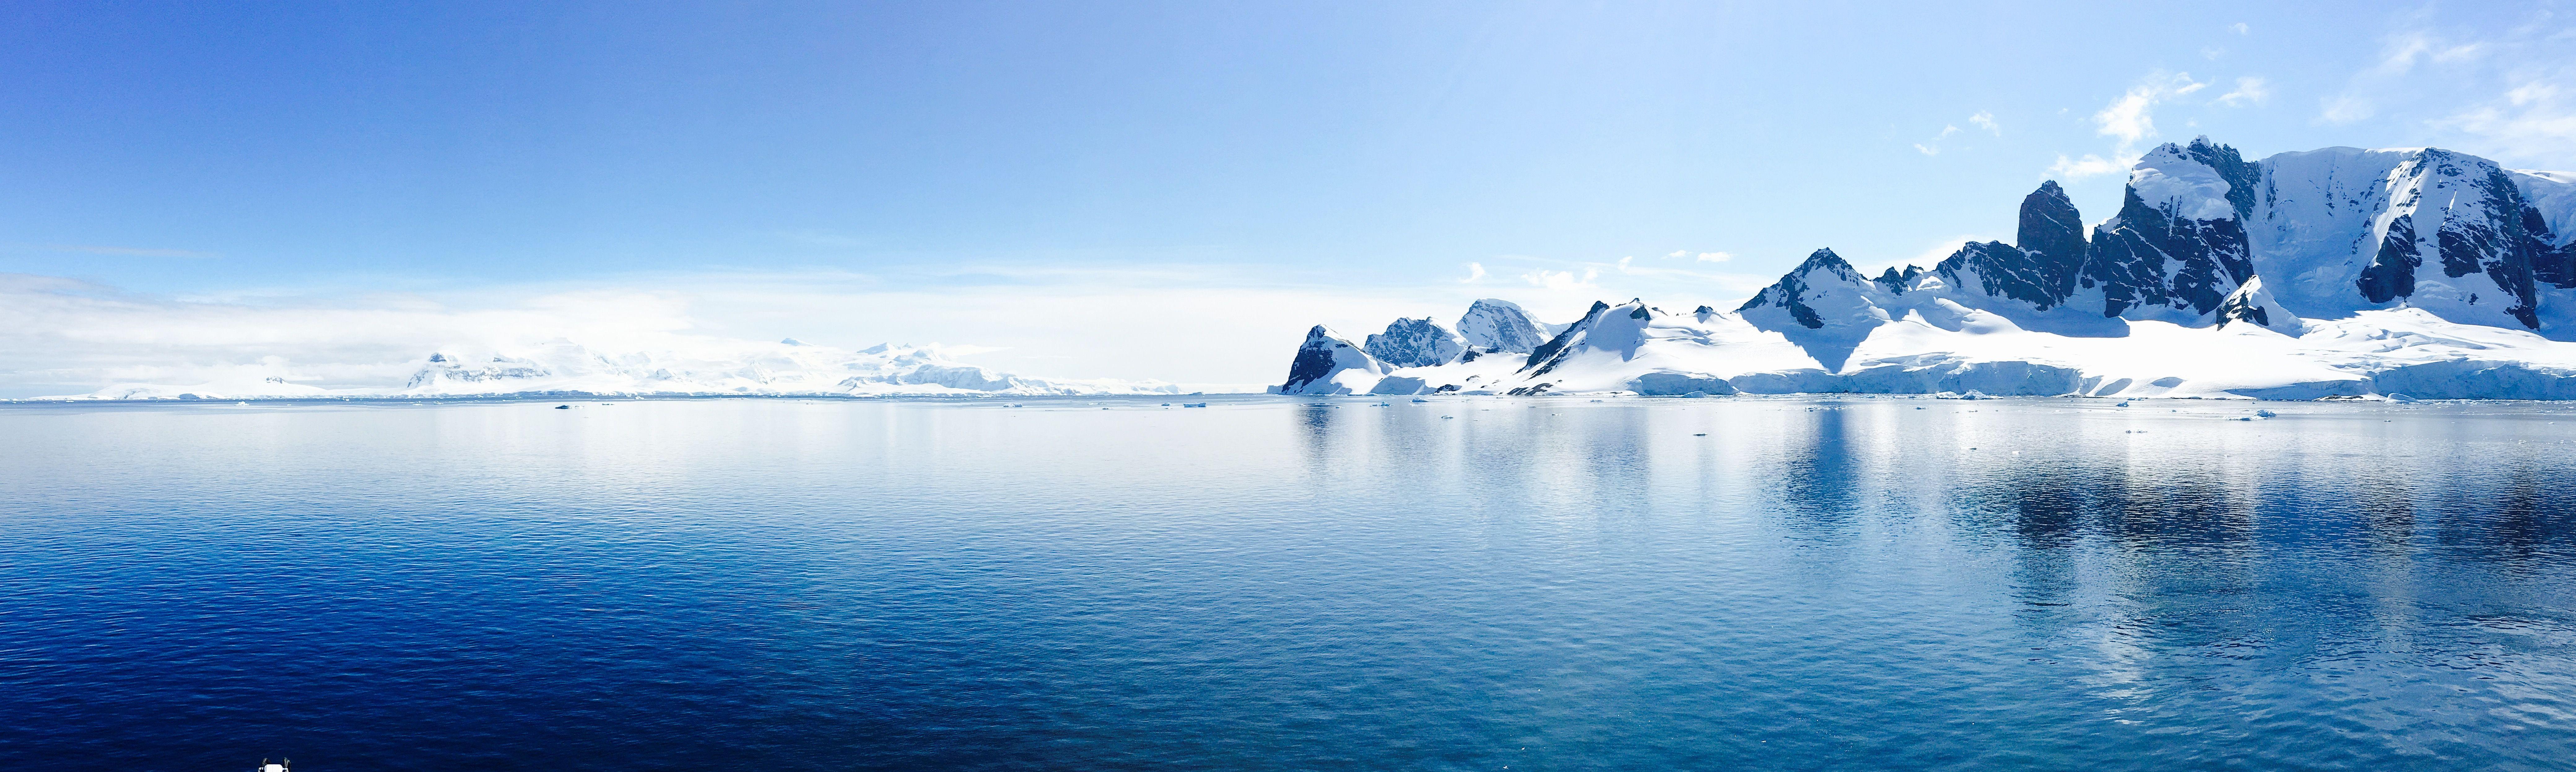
(1895,282)
(2052,230)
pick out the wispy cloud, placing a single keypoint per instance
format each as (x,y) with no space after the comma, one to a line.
(2534,121)
(2250,90)
(1475,273)
(1982,119)
(2399,55)
(2240,28)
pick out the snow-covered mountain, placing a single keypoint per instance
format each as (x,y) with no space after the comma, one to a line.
(786,368)
(2337,272)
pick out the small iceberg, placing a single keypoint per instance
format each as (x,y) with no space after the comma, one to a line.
(2266,414)
(1419,399)
(2403,398)
(1191,404)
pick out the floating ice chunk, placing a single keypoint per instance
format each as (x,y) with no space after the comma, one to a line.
(2266,413)
(2402,398)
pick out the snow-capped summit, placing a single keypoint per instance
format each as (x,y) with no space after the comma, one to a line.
(1328,363)
(2177,247)
(1501,326)
(1823,305)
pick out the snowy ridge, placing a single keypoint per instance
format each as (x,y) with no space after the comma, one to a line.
(2334,273)
(564,368)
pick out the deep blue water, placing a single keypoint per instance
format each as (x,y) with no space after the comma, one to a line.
(1278,584)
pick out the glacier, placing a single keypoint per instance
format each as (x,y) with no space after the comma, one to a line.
(2411,273)
(563,368)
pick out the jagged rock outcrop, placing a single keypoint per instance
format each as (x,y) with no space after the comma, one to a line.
(1415,343)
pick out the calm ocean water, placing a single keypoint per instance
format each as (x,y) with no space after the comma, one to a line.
(1277,584)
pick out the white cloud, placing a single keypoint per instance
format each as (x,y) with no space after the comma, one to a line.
(1986,120)
(2240,28)
(1715,257)
(1475,273)
(2250,90)
(2089,166)
(2534,122)
(2131,118)
(1562,281)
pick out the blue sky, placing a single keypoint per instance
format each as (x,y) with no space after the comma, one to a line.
(1039,179)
